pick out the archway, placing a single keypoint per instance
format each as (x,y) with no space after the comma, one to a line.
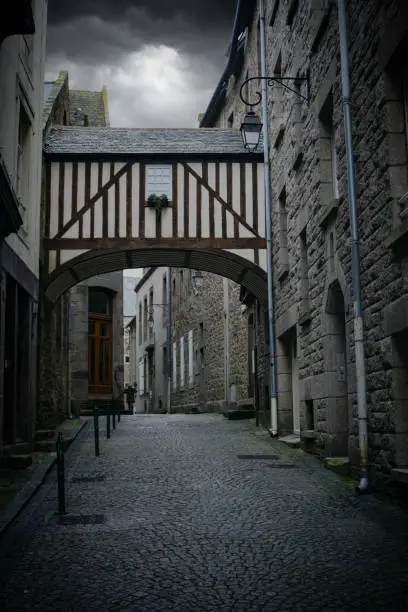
(335,359)
(101,261)
(98,262)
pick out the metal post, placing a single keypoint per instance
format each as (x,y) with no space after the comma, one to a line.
(272,340)
(113,419)
(118,409)
(169,339)
(108,433)
(61,474)
(355,254)
(96,434)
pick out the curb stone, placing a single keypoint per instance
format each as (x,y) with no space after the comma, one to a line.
(24,495)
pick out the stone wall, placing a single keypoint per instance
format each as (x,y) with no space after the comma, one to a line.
(220,351)
(311,229)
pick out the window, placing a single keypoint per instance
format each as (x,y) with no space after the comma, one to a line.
(23,161)
(174,366)
(190,358)
(303,275)
(145,319)
(141,377)
(328,152)
(127,359)
(99,341)
(164,290)
(293,7)
(165,361)
(182,361)
(150,312)
(274,13)
(258,49)
(140,324)
(159,180)
(99,302)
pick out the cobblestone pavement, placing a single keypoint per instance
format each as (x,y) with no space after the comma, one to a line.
(190,526)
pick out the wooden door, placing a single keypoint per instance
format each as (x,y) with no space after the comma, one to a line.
(100,356)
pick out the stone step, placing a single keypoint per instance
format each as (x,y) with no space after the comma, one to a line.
(293,441)
(21,448)
(45,446)
(237,414)
(44,434)
(16,462)
(339,465)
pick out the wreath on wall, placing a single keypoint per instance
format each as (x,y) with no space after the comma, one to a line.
(158,202)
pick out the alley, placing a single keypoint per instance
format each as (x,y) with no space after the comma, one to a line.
(190,520)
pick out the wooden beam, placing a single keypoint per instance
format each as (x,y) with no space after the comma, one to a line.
(90,201)
(225,205)
(119,244)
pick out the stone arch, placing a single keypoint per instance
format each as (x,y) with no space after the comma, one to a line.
(99,261)
(335,345)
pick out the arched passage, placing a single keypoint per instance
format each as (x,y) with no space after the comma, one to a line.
(99,262)
(216,261)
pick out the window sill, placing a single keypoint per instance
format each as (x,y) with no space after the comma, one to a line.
(329,211)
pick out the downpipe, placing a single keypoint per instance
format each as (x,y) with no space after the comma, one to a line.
(363,486)
(268,221)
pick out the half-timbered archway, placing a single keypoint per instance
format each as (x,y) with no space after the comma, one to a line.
(99,218)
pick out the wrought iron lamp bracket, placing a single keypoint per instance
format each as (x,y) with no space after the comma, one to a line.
(271,80)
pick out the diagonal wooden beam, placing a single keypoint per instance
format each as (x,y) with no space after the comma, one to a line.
(224,204)
(100,193)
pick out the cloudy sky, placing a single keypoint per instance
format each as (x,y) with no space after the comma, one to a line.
(160,59)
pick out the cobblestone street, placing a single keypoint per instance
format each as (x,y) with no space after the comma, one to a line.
(190,525)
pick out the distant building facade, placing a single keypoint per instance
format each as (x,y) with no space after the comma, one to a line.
(129,312)
(150,348)
(22,57)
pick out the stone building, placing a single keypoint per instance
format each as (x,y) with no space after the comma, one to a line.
(209,357)
(22,55)
(150,343)
(82,336)
(209,343)
(129,313)
(311,228)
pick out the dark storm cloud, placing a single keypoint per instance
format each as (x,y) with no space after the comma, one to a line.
(160,60)
(200,12)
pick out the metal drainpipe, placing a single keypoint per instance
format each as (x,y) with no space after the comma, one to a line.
(169,339)
(272,339)
(355,254)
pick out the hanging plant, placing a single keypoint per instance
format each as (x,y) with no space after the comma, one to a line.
(158,202)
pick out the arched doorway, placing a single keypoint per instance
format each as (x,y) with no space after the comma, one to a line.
(335,357)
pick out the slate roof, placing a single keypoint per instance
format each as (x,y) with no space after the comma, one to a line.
(91,103)
(65,140)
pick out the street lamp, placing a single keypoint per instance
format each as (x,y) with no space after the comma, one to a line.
(251,129)
(150,319)
(197,280)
